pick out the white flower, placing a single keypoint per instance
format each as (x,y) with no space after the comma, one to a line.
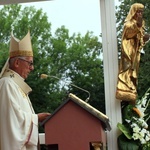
(144,102)
(136,136)
(137,123)
(128,121)
(143,123)
(135,119)
(141,110)
(136,129)
(147,138)
(143,141)
(143,132)
(133,125)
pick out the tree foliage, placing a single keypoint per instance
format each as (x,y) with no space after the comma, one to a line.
(73,59)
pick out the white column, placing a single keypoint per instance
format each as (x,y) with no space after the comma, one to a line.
(110,58)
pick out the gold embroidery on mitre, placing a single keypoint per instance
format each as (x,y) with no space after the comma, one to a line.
(21,53)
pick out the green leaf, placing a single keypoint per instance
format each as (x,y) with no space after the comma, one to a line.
(124,130)
(127,112)
(126,144)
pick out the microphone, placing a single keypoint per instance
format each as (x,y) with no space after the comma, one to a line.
(45,76)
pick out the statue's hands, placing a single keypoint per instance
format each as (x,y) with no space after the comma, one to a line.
(139,21)
(42,116)
(146,37)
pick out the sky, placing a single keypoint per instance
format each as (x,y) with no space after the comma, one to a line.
(79,16)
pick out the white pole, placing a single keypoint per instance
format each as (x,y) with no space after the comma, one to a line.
(110,58)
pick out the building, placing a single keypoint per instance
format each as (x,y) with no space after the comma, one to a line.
(76,125)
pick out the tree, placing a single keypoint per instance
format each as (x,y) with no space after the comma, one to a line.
(86,69)
(72,58)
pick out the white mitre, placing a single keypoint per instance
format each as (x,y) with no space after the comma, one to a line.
(18,48)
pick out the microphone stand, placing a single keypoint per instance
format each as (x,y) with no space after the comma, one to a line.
(44,76)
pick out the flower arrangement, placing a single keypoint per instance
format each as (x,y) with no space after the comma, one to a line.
(135,130)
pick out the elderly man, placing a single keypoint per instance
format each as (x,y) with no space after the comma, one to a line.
(18,122)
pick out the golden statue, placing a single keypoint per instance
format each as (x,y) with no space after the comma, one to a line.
(133,40)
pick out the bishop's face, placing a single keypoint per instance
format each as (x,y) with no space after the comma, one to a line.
(24,66)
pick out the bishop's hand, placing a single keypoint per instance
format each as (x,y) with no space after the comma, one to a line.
(42,116)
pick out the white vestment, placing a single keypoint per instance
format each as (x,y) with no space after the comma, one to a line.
(18,122)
